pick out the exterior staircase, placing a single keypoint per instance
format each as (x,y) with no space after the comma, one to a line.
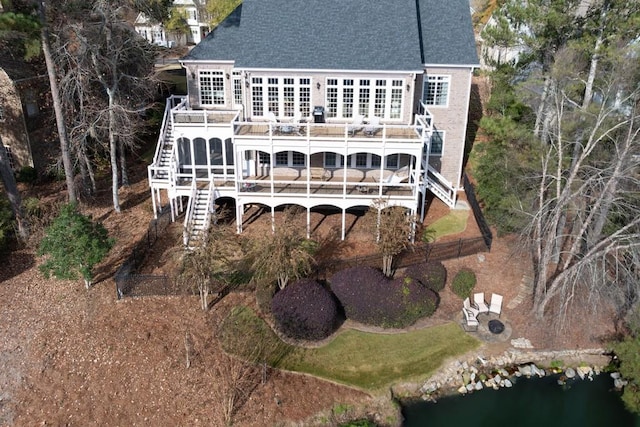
(166,152)
(198,216)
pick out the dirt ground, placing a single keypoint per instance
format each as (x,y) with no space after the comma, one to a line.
(77,357)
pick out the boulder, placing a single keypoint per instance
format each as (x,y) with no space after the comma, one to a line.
(462,390)
(478,386)
(570,373)
(508,383)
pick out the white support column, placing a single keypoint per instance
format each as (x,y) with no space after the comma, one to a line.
(153,202)
(344,214)
(239,215)
(273,214)
(308,223)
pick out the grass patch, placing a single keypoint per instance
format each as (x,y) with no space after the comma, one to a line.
(372,361)
(364,360)
(454,222)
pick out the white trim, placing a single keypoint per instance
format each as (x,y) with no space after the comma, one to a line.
(327,71)
(452,65)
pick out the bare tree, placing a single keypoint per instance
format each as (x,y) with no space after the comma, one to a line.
(393,229)
(585,233)
(284,254)
(108,81)
(212,266)
(57,105)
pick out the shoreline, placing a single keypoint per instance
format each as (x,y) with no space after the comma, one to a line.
(473,371)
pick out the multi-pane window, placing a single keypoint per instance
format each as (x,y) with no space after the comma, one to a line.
(290,158)
(436,90)
(257,97)
(282,96)
(333,160)
(237,88)
(264,158)
(12,162)
(304,97)
(369,161)
(289,93)
(273,97)
(363,104)
(396,99)
(332,98)
(211,87)
(297,158)
(437,143)
(346,96)
(379,100)
(282,158)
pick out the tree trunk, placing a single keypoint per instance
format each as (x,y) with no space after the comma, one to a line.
(57,107)
(123,164)
(11,188)
(113,146)
(542,107)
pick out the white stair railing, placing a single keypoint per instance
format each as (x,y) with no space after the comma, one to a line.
(186,228)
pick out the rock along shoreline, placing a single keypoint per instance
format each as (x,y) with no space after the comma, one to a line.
(474,372)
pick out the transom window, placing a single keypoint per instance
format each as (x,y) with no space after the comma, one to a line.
(346,96)
(284,96)
(211,87)
(435,90)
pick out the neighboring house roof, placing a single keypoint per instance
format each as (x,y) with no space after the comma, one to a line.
(342,35)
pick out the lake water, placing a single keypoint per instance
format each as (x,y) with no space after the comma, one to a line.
(531,402)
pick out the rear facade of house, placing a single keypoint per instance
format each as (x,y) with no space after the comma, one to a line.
(320,104)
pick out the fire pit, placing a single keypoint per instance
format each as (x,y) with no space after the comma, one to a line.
(495,326)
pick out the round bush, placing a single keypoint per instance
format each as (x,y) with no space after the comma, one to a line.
(463,283)
(357,290)
(305,310)
(413,301)
(432,274)
(367,296)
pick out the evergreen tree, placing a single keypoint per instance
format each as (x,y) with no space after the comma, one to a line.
(74,244)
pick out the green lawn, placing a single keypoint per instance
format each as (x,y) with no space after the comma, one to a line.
(373,361)
(454,222)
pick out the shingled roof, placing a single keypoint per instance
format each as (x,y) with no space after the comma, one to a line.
(389,35)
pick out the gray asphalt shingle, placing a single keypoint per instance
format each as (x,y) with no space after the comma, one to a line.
(341,35)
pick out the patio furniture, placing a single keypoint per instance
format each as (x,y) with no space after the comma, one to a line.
(481,305)
(470,321)
(356,125)
(466,304)
(372,127)
(496,304)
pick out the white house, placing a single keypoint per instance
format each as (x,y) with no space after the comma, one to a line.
(155,33)
(320,103)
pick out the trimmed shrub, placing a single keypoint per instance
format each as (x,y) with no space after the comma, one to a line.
(305,310)
(464,282)
(432,274)
(369,297)
(357,289)
(412,302)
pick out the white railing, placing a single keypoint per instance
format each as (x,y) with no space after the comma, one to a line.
(440,186)
(186,229)
(210,207)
